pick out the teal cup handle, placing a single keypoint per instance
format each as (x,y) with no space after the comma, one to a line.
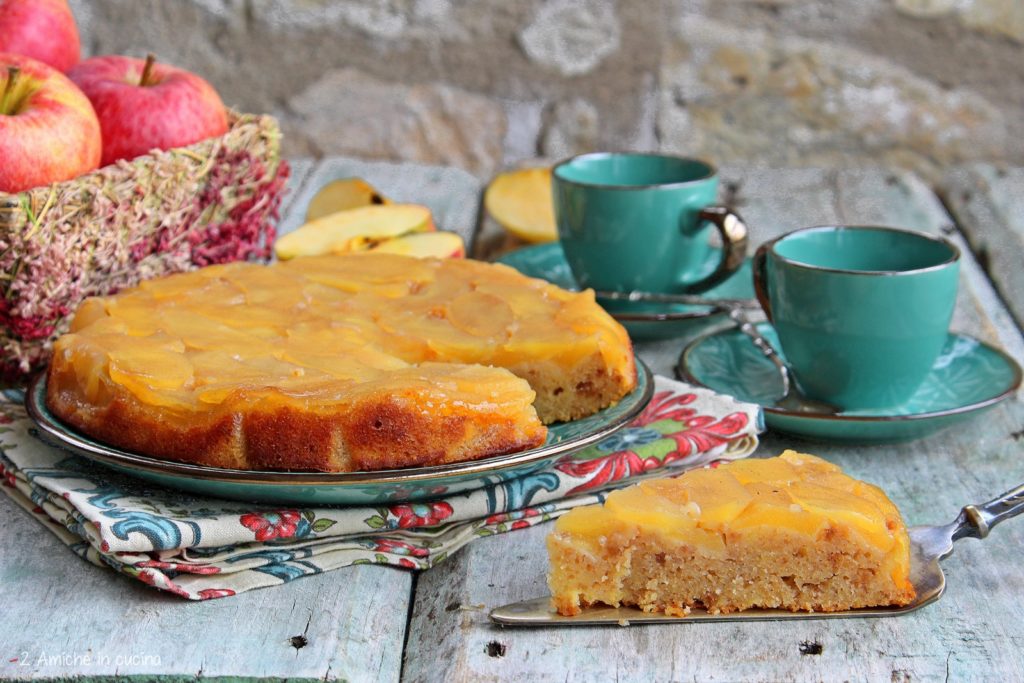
(860,312)
(733,231)
(643,222)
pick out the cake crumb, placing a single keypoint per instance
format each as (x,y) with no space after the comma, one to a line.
(757,565)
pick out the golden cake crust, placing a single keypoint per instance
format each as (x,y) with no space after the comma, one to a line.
(261,440)
(340,363)
(791,532)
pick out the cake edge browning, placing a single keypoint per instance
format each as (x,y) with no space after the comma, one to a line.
(372,435)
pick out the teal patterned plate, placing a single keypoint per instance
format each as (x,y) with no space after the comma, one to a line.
(968,378)
(349,488)
(643,320)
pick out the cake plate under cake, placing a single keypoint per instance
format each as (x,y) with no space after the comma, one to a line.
(346,488)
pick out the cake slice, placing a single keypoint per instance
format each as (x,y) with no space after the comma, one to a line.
(791,532)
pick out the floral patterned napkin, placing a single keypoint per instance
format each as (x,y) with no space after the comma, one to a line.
(202,548)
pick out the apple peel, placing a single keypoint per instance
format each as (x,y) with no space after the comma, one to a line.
(341,195)
(439,244)
(352,230)
(521,202)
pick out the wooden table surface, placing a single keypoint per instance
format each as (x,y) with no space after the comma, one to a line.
(61,618)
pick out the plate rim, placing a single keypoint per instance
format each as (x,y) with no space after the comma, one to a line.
(69,438)
(682,370)
(658,317)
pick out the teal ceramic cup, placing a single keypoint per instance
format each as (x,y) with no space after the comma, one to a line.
(630,222)
(861,312)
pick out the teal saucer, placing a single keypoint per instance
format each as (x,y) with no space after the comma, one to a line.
(968,378)
(643,320)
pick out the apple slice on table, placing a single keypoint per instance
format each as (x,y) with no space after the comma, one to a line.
(354,230)
(521,202)
(424,244)
(341,195)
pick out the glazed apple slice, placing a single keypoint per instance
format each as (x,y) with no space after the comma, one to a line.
(353,230)
(340,195)
(424,244)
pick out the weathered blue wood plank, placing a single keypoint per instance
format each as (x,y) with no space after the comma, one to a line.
(988,204)
(62,617)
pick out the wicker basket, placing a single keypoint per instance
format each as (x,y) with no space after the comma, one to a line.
(164,212)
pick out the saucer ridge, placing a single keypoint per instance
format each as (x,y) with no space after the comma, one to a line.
(968,377)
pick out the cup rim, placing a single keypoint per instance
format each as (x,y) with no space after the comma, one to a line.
(710,173)
(939,239)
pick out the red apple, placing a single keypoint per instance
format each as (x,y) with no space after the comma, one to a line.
(143,105)
(40,29)
(48,130)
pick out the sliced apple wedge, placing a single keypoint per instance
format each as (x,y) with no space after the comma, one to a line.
(424,244)
(353,230)
(340,195)
(521,202)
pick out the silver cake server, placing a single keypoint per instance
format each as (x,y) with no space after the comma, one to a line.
(928,545)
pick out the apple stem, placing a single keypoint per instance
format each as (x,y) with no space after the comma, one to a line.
(12,76)
(147,70)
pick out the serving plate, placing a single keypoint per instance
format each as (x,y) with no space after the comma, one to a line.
(346,488)
(643,320)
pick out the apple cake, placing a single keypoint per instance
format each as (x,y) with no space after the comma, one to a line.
(792,532)
(337,363)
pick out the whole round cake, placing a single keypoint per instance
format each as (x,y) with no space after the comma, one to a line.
(337,363)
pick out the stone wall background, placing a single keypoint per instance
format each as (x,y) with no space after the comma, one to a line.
(484,84)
